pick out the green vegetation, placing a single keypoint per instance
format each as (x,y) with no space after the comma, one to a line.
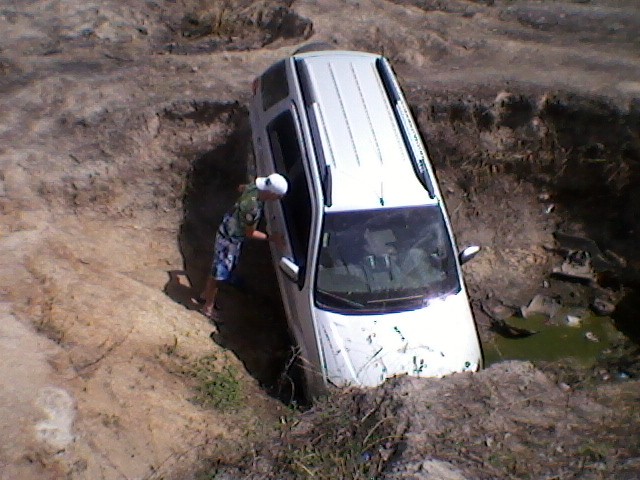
(216,387)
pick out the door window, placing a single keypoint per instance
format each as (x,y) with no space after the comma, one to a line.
(296,204)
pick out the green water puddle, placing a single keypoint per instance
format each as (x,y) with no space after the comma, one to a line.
(552,342)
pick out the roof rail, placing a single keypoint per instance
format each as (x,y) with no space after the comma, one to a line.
(410,134)
(316,123)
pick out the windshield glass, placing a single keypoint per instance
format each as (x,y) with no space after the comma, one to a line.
(385,260)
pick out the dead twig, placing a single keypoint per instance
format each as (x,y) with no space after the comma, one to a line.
(111,348)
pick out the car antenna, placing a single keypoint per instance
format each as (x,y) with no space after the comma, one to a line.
(381,195)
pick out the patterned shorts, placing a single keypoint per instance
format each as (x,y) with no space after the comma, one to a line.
(225,257)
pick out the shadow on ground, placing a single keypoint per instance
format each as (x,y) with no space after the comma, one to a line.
(253,324)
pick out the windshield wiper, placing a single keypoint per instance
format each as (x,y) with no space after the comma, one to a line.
(397,299)
(351,303)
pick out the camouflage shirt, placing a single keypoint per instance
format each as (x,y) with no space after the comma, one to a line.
(246,213)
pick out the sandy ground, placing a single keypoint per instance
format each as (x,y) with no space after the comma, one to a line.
(123,133)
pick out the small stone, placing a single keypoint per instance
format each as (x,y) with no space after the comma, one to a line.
(576,268)
(501,311)
(573,321)
(602,307)
(543,197)
(592,337)
(540,304)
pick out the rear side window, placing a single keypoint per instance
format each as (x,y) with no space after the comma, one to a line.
(274,85)
(296,204)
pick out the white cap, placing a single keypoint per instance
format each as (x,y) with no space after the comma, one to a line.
(274,183)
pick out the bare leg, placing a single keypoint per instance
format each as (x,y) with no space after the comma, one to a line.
(209,294)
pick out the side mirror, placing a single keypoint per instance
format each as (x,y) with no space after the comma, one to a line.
(468,253)
(289,268)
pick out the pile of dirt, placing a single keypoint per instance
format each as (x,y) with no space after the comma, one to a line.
(508,421)
(238,25)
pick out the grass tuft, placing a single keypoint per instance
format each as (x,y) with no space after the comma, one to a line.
(216,387)
(342,442)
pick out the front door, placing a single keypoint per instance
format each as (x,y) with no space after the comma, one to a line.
(293,217)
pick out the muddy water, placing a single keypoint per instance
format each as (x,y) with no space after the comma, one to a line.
(583,343)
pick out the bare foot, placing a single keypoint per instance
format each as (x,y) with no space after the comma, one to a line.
(212,314)
(200,301)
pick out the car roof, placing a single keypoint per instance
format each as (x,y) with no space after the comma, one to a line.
(360,138)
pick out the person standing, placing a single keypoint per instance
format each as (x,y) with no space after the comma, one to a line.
(236,226)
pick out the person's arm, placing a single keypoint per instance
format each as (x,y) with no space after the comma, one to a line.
(251,232)
(276,238)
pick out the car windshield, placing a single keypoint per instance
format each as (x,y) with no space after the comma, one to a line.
(386,260)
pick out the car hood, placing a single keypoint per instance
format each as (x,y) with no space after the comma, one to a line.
(433,341)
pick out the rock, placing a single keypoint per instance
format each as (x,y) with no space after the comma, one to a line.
(573,321)
(429,469)
(498,310)
(575,244)
(540,305)
(576,316)
(576,267)
(59,407)
(621,262)
(602,307)
(570,273)
(592,337)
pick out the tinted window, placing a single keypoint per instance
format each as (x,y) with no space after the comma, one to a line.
(274,85)
(386,260)
(296,204)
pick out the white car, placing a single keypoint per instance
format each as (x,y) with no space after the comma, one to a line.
(369,276)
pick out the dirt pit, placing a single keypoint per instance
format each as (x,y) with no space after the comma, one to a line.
(256,331)
(546,165)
